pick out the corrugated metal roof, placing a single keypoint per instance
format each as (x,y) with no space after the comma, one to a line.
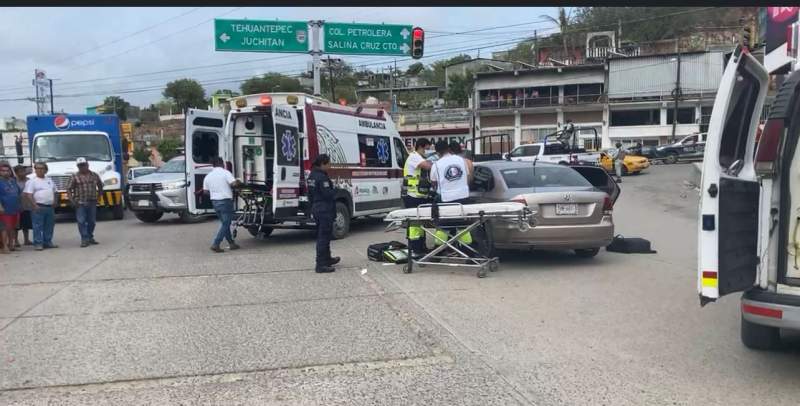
(655,75)
(540,77)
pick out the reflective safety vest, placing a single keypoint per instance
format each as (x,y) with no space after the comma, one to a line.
(415,184)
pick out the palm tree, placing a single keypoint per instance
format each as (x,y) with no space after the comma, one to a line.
(563,22)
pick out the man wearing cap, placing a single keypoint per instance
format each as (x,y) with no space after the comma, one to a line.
(83,189)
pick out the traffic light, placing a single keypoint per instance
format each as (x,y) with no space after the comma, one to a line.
(417,42)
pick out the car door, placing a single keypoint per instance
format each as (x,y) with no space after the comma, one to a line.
(482,185)
(728,259)
(286,182)
(204,140)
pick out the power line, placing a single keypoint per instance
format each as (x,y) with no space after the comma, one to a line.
(128,35)
(156,40)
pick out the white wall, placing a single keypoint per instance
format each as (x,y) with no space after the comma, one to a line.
(651,131)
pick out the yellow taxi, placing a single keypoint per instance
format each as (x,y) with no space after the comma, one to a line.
(633,164)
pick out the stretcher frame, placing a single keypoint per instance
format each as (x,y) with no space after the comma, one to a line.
(471,221)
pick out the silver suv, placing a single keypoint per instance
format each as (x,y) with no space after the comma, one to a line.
(163,191)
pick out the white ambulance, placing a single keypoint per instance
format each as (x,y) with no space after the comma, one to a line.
(269,141)
(749,219)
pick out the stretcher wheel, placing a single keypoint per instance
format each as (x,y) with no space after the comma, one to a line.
(482,272)
(494,266)
(407,268)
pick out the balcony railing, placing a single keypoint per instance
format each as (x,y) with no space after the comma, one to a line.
(544,101)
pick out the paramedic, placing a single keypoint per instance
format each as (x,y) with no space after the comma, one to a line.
(417,190)
(457,149)
(449,176)
(323,208)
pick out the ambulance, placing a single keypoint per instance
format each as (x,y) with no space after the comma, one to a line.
(749,218)
(270,140)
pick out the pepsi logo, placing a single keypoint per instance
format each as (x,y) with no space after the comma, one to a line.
(61,122)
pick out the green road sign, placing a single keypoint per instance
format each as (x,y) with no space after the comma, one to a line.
(260,36)
(367,39)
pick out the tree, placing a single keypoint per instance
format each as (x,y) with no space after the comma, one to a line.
(563,22)
(168,148)
(415,68)
(142,155)
(435,76)
(116,104)
(459,89)
(186,93)
(271,82)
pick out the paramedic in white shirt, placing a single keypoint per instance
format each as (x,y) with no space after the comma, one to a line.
(450,178)
(218,184)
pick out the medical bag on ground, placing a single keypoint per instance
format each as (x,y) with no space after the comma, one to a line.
(375,251)
(630,245)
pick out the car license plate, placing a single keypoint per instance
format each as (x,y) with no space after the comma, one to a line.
(144,203)
(566,209)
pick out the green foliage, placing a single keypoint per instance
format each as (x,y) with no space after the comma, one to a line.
(415,68)
(141,154)
(459,89)
(168,148)
(271,82)
(435,74)
(116,104)
(186,93)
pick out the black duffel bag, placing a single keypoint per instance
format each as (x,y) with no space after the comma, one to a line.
(630,245)
(375,251)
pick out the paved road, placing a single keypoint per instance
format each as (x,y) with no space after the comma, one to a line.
(152,316)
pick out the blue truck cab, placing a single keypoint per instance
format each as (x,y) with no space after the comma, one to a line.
(58,140)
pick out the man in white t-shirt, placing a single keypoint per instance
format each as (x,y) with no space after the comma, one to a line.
(450,176)
(40,192)
(218,184)
(450,179)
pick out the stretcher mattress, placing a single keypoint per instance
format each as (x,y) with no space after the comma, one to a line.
(458,211)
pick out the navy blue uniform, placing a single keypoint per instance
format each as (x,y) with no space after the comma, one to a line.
(323,208)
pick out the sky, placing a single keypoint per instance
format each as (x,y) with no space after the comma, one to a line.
(91,53)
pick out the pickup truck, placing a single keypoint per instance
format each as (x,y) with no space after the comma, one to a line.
(691,147)
(555,153)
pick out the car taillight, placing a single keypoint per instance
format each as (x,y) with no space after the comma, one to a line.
(768,146)
(608,205)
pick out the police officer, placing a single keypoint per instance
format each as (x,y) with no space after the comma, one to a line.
(323,208)
(416,190)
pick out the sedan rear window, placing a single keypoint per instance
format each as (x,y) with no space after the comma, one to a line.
(543,176)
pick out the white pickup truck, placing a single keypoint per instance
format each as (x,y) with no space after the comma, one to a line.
(555,153)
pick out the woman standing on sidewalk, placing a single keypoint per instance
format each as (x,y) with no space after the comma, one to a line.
(9,206)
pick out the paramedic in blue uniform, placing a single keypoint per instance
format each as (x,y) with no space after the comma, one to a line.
(323,208)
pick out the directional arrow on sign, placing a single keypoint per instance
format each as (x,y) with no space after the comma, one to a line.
(224,37)
(405,48)
(405,33)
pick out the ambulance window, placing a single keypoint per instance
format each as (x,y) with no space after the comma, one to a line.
(400,152)
(300,121)
(205,145)
(375,151)
(736,130)
(267,127)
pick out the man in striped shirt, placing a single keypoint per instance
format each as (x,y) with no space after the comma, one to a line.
(83,189)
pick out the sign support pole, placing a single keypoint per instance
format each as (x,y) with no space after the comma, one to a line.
(316,53)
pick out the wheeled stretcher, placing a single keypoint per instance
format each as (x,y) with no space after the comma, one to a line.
(459,220)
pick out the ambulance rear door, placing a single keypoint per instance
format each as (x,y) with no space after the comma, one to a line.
(204,140)
(286,182)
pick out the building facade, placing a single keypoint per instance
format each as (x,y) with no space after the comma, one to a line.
(626,99)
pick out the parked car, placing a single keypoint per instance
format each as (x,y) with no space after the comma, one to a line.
(138,171)
(554,152)
(632,164)
(163,191)
(691,147)
(573,204)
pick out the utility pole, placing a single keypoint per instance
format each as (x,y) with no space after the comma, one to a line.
(394,98)
(52,110)
(330,78)
(536,48)
(391,84)
(676,93)
(619,33)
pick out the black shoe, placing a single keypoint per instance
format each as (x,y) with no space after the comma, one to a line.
(93,242)
(84,244)
(333,261)
(325,269)
(216,248)
(233,246)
